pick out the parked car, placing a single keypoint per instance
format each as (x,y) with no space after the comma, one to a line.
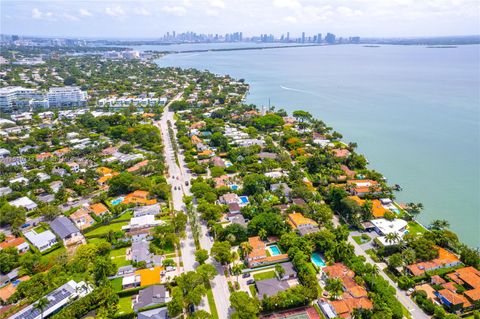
(246,275)
(250,282)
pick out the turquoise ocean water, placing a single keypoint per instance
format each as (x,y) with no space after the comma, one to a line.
(414,112)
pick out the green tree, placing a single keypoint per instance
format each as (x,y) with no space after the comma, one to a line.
(207,272)
(335,287)
(201,255)
(40,305)
(221,251)
(245,307)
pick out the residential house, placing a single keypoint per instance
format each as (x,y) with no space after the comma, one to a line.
(4,152)
(218,162)
(361,187)
(229,198)
(82,218)
(43,156)
(150,296)
(137,166)
(289,271)
(259,256)
(378,210)
(146,210)
(384,227)
(5,191)
(341,153)
(267,155)
(158,313)
(57,299)
(42,177)
(67,231)
(354,296)
(302,224)
(9,277)
(142,222)
(24,202)
(74,167)
(125,270)
(445,259)
(60,172)
(282,187)
(13,161)
(17,242)
(139,197)
(42,241)
(55,186)
(469,279)
(270,287)
(99,209)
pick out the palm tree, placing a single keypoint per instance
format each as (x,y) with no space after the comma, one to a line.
(392,238)
(414,209)
(440,224)
(246,249)
(237,270)
(335,287)
(41,304)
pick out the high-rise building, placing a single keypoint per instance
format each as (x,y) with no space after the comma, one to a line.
(330,38)
(66,96)
(319,38)
(303,37)
(288,36)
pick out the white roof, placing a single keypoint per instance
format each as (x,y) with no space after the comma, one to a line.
(386,226)
(23,202)
(143,221)
(42,239)
(128,280)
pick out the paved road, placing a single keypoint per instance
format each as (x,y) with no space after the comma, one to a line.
(412,307)
(178,175)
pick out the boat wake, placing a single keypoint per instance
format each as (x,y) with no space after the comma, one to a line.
(296,90)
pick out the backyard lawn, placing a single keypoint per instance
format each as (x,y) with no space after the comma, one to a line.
(414,228)
(118,252)
(253,291)
(264,275)
(40,229)
(124,305)
(117,284)
(102,230)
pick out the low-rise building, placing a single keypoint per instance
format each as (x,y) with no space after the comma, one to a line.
(445,259)
(259,256)
(42,241)
(24,202)
(66,230)
(142,222)
(82,218)
(15,242)
(150,296)
(302,224)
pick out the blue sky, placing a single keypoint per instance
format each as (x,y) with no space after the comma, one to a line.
(152,18)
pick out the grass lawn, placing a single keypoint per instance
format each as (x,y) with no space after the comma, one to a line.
(117,284)
(54,253)
(414,228)
(253,291)
(371,252)
(105,229)
(121,261)
(96,240)
(40,229)
(125,216)
(359,240)
(211,303)
(124,305)
(264,275)
(118,252)
(311,268)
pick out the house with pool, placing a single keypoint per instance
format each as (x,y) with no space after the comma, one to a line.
(263,254)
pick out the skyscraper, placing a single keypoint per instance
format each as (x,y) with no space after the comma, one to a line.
(319,38)
(303,37)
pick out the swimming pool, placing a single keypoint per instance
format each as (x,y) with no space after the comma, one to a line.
(317,260)
(228,164)
(117,201)
(234,187)
(274,250)
(243,199)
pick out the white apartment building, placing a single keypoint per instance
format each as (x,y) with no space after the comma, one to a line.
(66,96)
(16,97)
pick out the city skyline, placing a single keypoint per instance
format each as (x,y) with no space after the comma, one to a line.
(151,19)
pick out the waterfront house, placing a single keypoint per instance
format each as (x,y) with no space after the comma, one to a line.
(445,259)
(361,187)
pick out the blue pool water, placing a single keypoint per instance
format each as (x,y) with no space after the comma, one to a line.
(274,250)
(117,201)
(244,199)
(234,187)
(228,163)
(317,260)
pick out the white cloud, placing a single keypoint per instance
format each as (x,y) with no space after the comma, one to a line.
(141,12)
(217,4)
(291,4)
(36,14)
(70,17)
(115,11)
(290,19)
(211,12)
(85,13)
(175,10)
(348,12)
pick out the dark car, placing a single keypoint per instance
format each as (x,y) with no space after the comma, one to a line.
(250,281)
(186,183)
(246,275)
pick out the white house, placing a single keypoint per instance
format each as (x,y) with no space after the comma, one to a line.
(24,202)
